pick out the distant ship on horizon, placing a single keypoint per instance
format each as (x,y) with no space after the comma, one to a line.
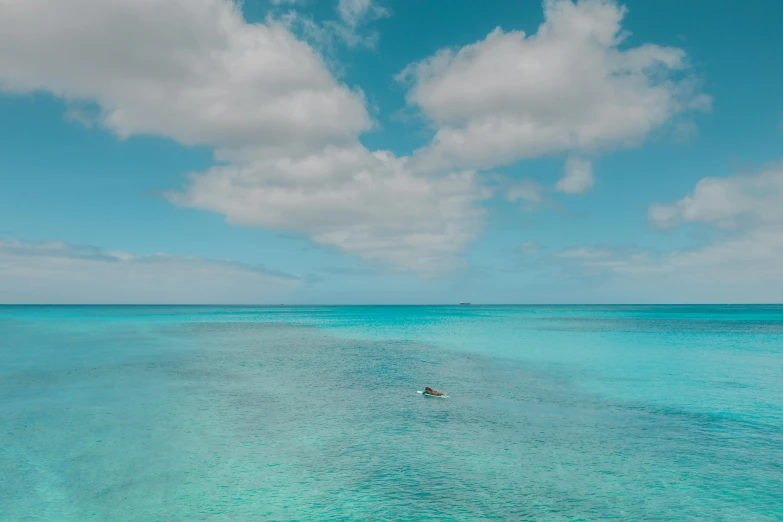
(464,303)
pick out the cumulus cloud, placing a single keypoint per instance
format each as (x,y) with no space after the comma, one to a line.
(285,130)
(365,203)
(744,265)
(569,87)
(578,176)
(61,273)
(727,202)
(190,70)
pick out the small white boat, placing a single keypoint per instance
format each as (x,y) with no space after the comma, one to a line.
(464,303)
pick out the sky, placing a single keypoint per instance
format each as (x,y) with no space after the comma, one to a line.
(391,151)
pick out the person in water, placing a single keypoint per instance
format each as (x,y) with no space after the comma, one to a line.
(430,391)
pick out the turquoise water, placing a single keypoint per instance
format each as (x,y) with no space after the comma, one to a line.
(300,413)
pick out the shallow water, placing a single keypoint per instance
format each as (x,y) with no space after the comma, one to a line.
(555,413)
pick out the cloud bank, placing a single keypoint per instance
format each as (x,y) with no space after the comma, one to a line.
(742,266)
(55,273)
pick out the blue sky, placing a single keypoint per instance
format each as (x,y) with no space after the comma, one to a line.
(361,151)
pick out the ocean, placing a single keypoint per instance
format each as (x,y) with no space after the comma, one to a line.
(311,413)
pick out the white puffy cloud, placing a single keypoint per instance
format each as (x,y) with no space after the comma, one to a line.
(578,176)
(744,265)
(569,87)
(191,70)
(61,273)
(285,129)
(727,202)
(365,203)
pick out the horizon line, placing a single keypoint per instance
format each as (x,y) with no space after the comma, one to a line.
(395,304)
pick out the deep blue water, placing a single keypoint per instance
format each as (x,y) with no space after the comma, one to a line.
(311,413)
